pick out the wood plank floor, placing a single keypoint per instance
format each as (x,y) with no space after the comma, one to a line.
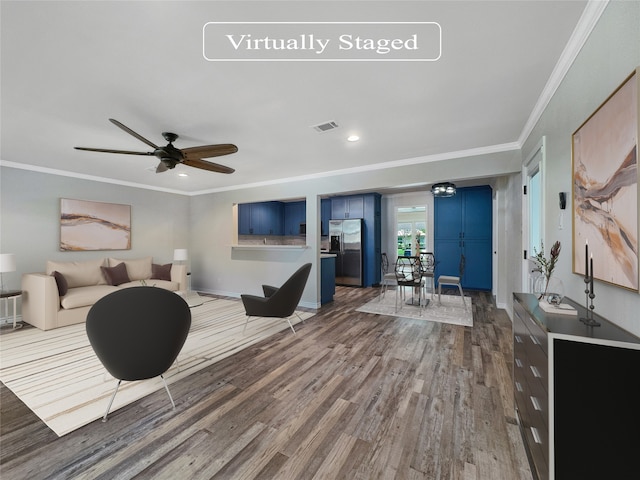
(351,396)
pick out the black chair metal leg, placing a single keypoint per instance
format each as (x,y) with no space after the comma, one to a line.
(104,419)
(289,322)
(166,387)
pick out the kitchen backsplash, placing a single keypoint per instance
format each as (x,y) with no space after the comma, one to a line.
(279,240)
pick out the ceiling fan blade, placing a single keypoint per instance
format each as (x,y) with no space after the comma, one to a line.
(161,168)
(210,166)
(106,150)
(131,132)
(207,151)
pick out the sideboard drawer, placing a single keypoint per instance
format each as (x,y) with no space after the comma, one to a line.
(538,448)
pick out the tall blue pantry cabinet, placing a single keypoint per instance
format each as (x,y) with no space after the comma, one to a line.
(463,237)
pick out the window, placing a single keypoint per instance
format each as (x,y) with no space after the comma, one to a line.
(412,230)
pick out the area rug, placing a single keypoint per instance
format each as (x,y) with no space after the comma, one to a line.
(57,375)
(451,310)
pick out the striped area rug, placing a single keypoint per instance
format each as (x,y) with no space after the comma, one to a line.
(57,375)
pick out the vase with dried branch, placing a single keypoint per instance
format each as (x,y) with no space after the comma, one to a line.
(546,265)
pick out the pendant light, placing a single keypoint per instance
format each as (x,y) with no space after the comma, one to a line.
(443,190)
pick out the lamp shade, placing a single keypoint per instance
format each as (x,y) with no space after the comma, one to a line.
(180,254)
(445,189)
(7,262)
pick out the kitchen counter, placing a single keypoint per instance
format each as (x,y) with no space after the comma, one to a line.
(269,247)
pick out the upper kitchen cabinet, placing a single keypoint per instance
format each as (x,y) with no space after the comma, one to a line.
(351,206)
(463,236)
(263,218)
(295,216)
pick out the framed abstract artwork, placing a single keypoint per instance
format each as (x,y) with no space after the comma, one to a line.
(605,189)
(88,225)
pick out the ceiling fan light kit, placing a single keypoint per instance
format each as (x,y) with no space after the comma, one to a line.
(443,190)
(170,156)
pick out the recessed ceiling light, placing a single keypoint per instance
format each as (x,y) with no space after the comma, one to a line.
(353,138)
(182,174)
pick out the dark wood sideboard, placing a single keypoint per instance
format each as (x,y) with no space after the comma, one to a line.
(577,393)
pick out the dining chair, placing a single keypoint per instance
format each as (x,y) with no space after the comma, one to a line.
(453,280)
(388,278)
(409,274)
(428,265)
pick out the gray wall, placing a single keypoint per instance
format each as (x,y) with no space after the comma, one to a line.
(30,220)
(163,221)
(610,54)
(507,239)
(220,269)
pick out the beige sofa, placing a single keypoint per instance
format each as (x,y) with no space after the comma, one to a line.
(64,294)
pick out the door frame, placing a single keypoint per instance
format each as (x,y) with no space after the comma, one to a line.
(535,162)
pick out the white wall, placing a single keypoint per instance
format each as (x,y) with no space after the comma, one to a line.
(610,54)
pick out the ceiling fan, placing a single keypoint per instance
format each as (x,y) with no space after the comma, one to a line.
(170,156)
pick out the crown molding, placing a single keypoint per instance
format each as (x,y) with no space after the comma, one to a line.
(82,176)
(505,147)
(588,20)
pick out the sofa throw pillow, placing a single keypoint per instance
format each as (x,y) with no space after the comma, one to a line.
(161,272)
(137,268)
(116,275)
(61,282)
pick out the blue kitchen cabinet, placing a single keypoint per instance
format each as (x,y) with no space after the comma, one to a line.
(325,216)
(351,206)
(244,218)
(295,214)
(372,225)
(262,218)
(327,278)
(463,237)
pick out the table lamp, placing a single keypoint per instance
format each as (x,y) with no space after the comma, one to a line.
(180,255)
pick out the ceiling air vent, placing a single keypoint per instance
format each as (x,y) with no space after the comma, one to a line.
(324,127)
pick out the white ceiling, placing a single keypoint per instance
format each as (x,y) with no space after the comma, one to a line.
(69,66)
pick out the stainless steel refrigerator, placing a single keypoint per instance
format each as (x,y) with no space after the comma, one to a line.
(346,243)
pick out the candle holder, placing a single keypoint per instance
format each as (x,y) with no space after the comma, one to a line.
(588,320)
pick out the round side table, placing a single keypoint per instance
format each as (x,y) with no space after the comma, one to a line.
(11,295)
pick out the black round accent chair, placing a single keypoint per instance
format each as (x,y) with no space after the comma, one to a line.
(138,332)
